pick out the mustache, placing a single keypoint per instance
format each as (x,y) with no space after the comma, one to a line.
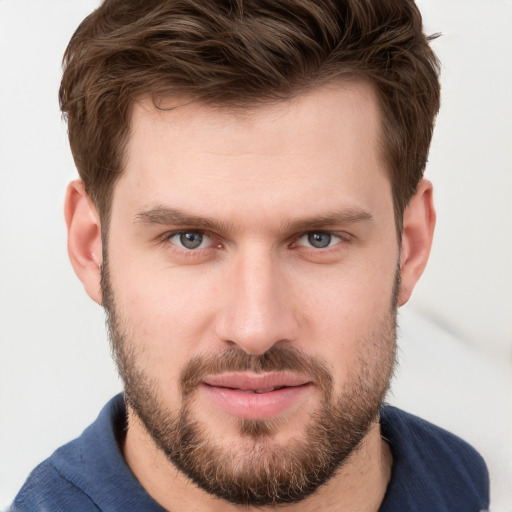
(277,359)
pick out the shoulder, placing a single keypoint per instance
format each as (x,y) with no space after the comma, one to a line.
(68,478)
(88,474)
(48,490)
(433,469)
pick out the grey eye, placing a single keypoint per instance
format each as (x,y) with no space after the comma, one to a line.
(191,240)
(319,240)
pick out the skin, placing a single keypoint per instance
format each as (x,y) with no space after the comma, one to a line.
(263,178)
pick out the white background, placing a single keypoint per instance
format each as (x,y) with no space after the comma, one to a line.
(456,335)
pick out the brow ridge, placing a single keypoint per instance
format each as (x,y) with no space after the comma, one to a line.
(165,215)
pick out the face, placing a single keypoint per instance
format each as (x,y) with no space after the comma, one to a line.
(251,288)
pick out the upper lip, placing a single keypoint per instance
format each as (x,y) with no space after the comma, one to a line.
(256,381)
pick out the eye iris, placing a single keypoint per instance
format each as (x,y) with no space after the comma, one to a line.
(191,240)
(319,240)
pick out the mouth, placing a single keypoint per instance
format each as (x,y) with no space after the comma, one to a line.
(256,396)
(262,390)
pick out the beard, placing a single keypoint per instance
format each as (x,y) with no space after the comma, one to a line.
(261,471)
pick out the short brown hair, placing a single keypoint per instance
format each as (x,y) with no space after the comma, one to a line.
(240,53)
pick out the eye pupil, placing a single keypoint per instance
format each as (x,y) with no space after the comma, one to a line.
(319,240)
(191,240)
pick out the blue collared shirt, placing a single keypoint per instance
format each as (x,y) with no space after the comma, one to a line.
(433,471)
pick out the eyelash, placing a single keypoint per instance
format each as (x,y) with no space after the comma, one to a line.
(166,238)
(331,234)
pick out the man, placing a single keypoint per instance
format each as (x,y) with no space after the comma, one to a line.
(251,212)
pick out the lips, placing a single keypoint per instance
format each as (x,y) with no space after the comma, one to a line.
(255,396)
(258,383)
(262,390)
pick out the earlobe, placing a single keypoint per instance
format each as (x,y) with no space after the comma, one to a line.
(418,231)
(84,238)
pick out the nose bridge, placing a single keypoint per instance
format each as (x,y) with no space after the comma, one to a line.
(258,313)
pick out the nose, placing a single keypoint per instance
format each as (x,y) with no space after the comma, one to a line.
(258,311)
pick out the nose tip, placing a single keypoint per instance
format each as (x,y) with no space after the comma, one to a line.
(257,324)
(259,311)
(256,338)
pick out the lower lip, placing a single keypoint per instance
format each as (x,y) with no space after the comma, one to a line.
(256,406)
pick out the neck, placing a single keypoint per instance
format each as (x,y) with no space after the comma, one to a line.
(359,485)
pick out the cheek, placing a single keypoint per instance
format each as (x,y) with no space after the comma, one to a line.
(352,310)
(164,313)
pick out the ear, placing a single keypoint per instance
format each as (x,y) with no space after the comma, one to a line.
(84,238)
(418,231)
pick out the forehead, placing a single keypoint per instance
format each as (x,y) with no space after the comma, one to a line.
(326,142)
(347,105)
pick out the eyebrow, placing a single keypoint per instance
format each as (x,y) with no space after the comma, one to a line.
(174,216)
(163,215)
(343,217)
